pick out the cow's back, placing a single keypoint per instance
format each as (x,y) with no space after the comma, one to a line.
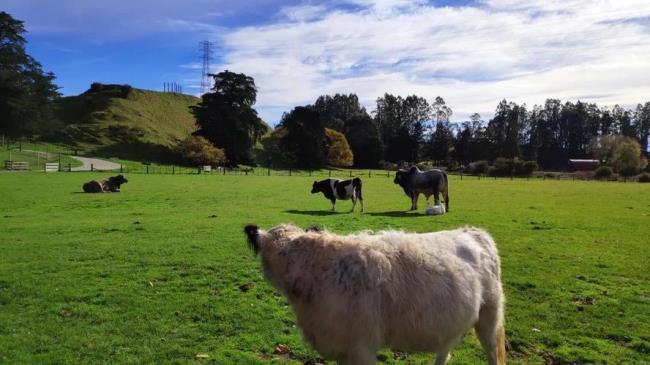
(438,280)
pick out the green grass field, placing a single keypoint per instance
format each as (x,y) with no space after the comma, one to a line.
(153,274)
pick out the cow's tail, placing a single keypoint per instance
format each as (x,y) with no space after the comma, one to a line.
(446,190)
(356,185)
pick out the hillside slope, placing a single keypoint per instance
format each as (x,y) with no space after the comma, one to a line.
(121,121)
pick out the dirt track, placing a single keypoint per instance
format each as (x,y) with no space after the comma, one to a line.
(94,164)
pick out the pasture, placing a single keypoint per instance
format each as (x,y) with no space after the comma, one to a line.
(161,273)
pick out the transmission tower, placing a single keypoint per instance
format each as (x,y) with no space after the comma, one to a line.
(206,58)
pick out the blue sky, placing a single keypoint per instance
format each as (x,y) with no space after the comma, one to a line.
(472,53)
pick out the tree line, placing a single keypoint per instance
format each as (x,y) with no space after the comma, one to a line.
(411,129)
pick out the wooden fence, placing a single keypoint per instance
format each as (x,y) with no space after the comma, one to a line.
(16,165)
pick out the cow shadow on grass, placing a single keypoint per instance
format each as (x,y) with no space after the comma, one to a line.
(319,213)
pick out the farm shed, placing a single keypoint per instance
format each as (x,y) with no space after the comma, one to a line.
(583,165)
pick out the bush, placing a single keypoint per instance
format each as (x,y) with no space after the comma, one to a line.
(503,167)
(644,178)
(197,150)
(478,167)
(628,171)
(425,165)
(524,168)
(603,172)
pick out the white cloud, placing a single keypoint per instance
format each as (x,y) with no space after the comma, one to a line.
(471,56)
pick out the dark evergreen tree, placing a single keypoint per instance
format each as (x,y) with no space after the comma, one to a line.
(26,91)
(305,142)
(226,117)
(363,136)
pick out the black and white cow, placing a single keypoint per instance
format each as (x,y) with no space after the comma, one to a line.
(340,189)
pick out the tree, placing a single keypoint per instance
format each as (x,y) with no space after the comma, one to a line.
(26,91)
(226,117)
(305,143)
(338,149)
(642,125)
(336,110)
(620,152)
(505,129)
(441,142)
(197,150)
(365,142)
(627,158)
(402,124)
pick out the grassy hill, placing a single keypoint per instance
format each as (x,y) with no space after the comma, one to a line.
(121,121)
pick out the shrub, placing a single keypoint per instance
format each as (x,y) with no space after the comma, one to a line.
(628,171)
(197,150)
(644,178)
(425,165)
(603,172)
(478,167)
(503,167)
(524,168)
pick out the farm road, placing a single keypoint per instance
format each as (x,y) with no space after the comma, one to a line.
(97,164)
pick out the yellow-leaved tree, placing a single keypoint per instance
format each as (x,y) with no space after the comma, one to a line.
(338,150)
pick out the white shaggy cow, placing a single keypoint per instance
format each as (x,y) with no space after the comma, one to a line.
(354,294)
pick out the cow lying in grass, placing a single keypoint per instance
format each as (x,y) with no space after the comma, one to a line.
(340,189)
(354,294)
(110,185)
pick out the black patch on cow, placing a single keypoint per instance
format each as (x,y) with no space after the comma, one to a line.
(341,188)
(324,187)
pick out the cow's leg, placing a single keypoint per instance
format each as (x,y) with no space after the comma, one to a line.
(436,197)
(441,357)
(359,357)
(360,197)
(416,196)
(487,330)
(333,204)
(447,200)
(354,202)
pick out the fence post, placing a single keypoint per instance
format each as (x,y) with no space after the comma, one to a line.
(309,173)
(147,166)
(369,173)
(289,172)
(121,168)
(69,168)
(268,171)
(461,176)
(350,173)
(92,167)
(330,171)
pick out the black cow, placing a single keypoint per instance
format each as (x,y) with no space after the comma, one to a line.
(432,182)
(340,189)
(110,185)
